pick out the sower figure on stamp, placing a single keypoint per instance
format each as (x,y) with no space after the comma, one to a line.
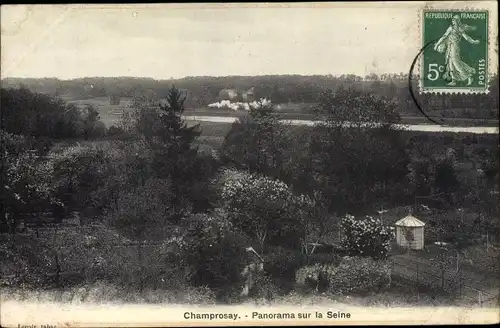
(455,69)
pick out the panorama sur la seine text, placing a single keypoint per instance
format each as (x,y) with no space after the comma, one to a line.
(267,316)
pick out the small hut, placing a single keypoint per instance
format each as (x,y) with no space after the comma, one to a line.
(410,232)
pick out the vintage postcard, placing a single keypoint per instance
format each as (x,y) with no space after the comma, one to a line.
(249,164)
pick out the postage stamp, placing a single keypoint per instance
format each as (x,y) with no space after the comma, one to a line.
(455,56)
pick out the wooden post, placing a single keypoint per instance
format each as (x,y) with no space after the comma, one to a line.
(460,282)
(141,274)
(58,269)
(442,278)
(418,285)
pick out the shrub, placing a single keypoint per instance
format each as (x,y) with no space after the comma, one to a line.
(98,130)
(366,237)
(25,261)
(213,254)
(354,275)
(281,266)
(359,275)
(324,258)
(265,287)
(115,131)
(307,277)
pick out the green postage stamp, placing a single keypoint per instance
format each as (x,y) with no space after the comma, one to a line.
(455,57)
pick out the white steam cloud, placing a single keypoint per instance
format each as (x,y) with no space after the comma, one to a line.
(240,105)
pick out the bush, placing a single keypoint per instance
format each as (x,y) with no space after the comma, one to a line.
(98,130)
(366,237)
(359,275)
(324,258)
(308,277)
(281,266)
(25,261)
(265,287)
(354,275)
(115,131)
(213,254)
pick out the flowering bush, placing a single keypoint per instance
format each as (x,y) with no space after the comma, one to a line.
(353,275)
(262,208)
(367,236)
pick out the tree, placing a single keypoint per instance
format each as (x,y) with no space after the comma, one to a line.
(356,152)
(114,99)
(445,178)
(39,115)
(432,172)
(257,141)
(174,150)
(314,220)
(91,118)
(262,208)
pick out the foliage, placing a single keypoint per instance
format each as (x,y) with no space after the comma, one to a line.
(281,265)
(314,220)
(37,114)
(28,259)
(366,236)
(143,212)
(26,180)
(353,275)
(357,108)
(174,155)
(256,142)
(431,171)
(90,123)
(352,160)
(78,171)
(261,207)
(212,252)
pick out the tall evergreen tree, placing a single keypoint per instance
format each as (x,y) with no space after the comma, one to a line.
(175,155)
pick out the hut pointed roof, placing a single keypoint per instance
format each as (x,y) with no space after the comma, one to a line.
(410,221)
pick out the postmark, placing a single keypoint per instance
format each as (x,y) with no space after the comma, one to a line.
(455,56)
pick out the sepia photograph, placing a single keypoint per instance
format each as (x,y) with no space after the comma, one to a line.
(236,164)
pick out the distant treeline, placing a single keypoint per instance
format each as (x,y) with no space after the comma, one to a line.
(37,114)
(202,91)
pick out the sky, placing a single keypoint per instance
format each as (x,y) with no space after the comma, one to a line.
(173,41)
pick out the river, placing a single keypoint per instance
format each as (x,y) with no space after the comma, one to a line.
(409,127)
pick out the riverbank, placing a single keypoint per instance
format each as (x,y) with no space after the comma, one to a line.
(409,127)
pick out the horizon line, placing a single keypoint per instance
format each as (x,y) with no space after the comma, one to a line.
(490,74)
(192,76)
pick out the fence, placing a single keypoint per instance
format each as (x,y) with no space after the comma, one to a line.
(441,280)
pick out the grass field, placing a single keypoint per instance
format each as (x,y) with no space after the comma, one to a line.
(110,114)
